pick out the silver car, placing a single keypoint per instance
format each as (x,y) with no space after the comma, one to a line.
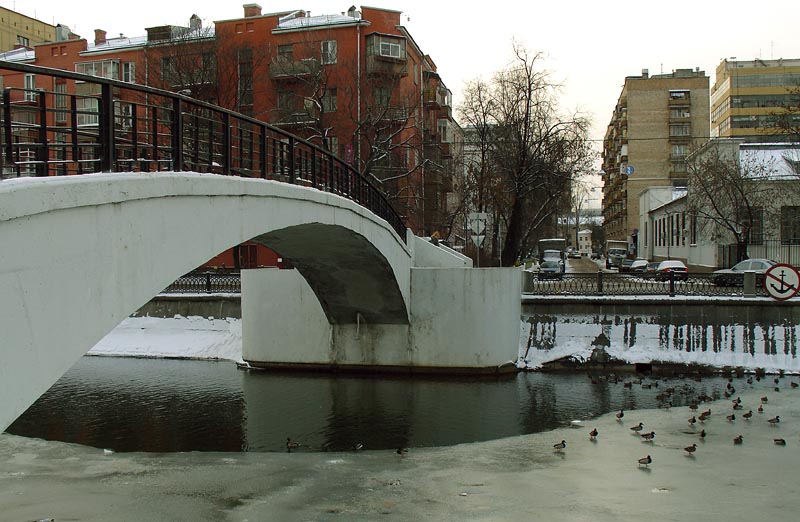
(734,276)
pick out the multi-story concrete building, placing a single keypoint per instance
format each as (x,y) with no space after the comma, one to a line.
(656,123)
(18,30)
(747,96)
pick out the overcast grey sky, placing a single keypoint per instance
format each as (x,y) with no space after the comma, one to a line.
(590,46)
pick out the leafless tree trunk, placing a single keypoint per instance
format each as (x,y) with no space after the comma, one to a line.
(730,193)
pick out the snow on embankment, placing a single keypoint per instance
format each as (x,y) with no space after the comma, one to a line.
(767,348)
(177,337)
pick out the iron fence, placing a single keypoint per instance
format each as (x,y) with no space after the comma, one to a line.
(776,249)
(206,282)
(614,284)
(105,125)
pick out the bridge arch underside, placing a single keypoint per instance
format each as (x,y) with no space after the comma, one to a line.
(81,253)
(348,274)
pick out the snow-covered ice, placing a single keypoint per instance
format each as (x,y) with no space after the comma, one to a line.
(518,478)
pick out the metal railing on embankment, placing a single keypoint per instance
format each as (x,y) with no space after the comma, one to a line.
(90,124)
(599,284)
(613,284)
(207,282)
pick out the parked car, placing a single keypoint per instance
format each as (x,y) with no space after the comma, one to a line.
(674,267)
(625,265)
(734,276)
(574,253)
(594,255)
(652,268)
(639,266)
(550,270)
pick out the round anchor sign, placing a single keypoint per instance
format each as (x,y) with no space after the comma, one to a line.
(782,281)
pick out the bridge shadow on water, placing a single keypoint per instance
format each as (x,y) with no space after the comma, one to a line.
(160,405)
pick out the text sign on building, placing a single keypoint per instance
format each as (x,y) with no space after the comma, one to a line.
(781,282)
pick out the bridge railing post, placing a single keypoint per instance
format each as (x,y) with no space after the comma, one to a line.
(177,135)
(106,130)
(292,173)
(672,284)
(599,282)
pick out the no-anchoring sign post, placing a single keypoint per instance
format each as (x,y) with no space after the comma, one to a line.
(781,282)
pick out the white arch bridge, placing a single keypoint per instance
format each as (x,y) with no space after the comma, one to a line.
(81,253)
(78,254)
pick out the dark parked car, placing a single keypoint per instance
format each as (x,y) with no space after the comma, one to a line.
(639,266)
(673,268)
(550,270)
(734,276)
(594,255)
(625,266)
(651,269)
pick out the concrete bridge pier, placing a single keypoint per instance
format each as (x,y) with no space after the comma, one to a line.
(461,320)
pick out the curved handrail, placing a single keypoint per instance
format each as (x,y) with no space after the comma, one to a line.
(127,127)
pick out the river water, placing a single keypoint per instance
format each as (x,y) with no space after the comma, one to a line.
(159,405)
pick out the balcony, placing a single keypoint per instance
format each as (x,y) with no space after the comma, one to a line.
(378,65)
(288,117)
(294,70)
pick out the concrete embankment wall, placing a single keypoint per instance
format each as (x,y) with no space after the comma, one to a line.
(743,333)
(218,306)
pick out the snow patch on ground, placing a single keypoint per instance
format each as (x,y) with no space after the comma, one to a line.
(178,337)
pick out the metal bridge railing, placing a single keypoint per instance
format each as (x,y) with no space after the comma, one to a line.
(102,125)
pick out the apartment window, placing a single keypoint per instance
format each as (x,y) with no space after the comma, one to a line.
(102,69)
(285,53)
(382,96)
(23,41)
(129,72)
(61,102)
(680,129)
(755,221)
(333,145)
(284,100)
(124,115)
(443,127)
(693,230)
(680,113)
(679,152)
(167,68)
(245,77)
(790,225)
(329,51)
(678,95)
(30,87)
(88,111)
(329,100)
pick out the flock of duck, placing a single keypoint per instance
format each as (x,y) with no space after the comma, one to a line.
(701,418)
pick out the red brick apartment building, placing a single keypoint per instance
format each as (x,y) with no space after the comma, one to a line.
(355,83)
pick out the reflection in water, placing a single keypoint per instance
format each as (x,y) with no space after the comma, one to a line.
(732,332)
(162,405)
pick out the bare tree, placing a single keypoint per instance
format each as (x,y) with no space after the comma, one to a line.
(535,153)
(730,193)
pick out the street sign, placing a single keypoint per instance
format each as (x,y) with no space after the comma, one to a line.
(781,282)
(477,222)
(477,239)
(629,170)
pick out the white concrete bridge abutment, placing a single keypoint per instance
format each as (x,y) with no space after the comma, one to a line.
(462,320)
